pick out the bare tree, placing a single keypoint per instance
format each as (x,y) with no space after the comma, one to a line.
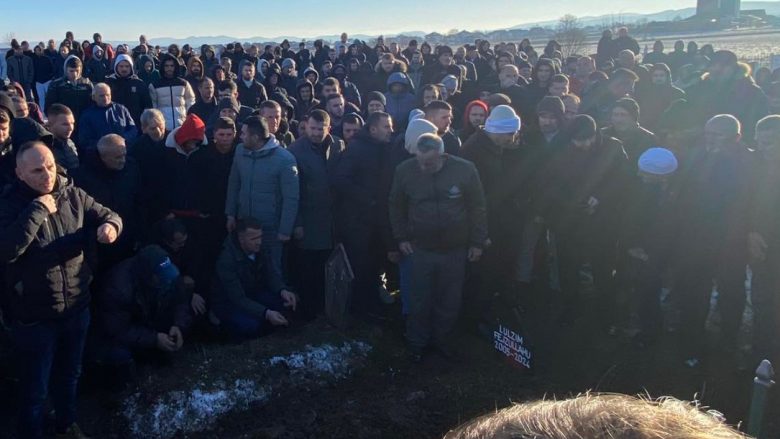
(9,36)
(570,35)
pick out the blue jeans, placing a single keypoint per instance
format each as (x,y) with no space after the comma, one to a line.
(240,324)
(38,347)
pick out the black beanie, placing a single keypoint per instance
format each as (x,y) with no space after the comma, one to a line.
(582,127)
(553,105)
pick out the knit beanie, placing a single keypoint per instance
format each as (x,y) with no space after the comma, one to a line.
(658,161)
(375,96)
(193,128)
(630,106)
(229,102)
(288,62)
(553,105)
(503,120)
(417,128)
(582,127)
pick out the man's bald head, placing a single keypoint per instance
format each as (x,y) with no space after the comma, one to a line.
(722,132)
(101,94)
(35,166)
(112,151)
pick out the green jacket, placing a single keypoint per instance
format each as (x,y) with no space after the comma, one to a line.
(442,211)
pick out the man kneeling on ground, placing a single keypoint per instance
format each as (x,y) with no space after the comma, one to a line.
(249,297)
(144,311)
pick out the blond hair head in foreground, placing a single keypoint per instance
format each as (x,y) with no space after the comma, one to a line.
(599,416)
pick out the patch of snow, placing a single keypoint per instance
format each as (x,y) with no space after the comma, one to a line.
(199,408)
(188,411)
(323,360)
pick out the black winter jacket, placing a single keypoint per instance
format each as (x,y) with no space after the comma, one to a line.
(47,273)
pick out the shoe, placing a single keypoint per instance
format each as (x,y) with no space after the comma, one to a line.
(73,432)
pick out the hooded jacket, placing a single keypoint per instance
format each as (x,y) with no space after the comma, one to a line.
(182,181)
(147,77)
(129,91)
(348,89)
(655,99)
(264,184)
(399,105)
(193,79)
(75,95)
(172,96)
(304,107)
(47,273)
(96,69)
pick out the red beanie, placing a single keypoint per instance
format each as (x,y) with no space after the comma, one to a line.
(193,128)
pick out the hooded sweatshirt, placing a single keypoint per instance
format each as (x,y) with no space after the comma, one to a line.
(130,90)
(147,77)
(173,96)
(76,95)
(399,104)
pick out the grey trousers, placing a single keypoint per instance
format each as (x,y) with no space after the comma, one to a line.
(436,287)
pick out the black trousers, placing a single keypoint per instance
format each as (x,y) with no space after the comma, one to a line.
(365,250)
(694,289)
(309,280)
(765,289)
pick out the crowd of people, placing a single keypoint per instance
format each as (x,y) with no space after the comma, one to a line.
(149,194)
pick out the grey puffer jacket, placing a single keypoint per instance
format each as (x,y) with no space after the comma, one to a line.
(264,184)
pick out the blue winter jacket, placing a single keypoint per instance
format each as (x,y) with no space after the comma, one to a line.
(264,184)
(95,122)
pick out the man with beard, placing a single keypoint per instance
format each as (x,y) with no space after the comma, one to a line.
(357,184)
(625,127)
(251,93)
(729,89)
(128,89)
(317,154)
(587,181)
(655,98)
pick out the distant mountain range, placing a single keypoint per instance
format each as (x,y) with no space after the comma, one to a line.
(771,7)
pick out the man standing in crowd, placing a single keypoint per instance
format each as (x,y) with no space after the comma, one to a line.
(714,233)
(113,180)
(357,183)
(128,89)
(171,94)
(438,216)
(71,90)
(588,178)
(439,113)
(61,125)
(317,155)
(47,222)
(251,92)
(263,184)
(764,240)
(104,117)
(21,69)
(625,127)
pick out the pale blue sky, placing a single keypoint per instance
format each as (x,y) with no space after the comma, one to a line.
(125,20)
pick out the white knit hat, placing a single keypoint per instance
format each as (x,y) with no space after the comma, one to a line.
(417,128)
(658,161)
(502,120)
